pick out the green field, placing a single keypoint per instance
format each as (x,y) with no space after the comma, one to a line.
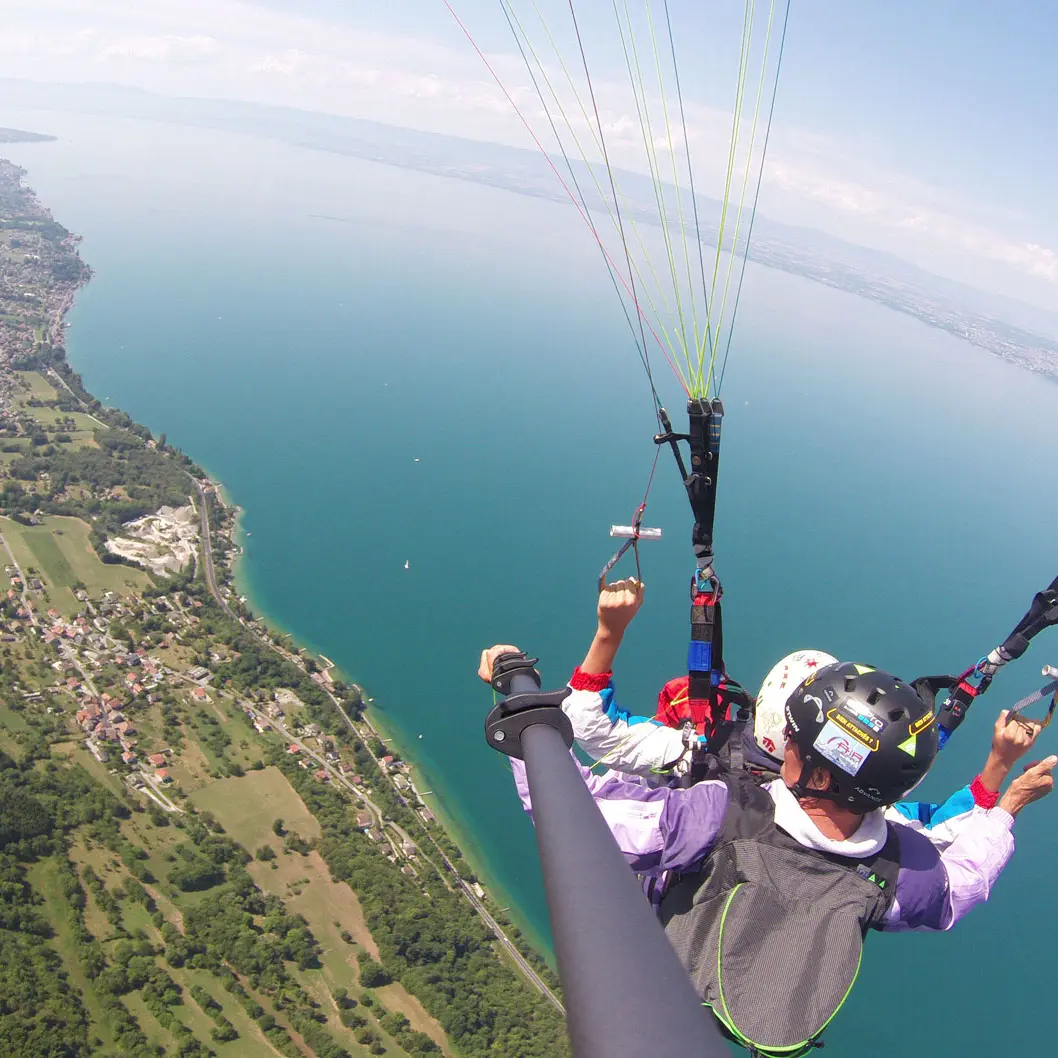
(39,388)
(45,882)
(38,385)
(61,553)
(247,806)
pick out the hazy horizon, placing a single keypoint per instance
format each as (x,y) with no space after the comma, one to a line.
(103,98)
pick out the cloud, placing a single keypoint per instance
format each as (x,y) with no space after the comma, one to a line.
(893,203)
(168,48)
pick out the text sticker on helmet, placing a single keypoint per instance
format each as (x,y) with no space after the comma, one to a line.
(847,753)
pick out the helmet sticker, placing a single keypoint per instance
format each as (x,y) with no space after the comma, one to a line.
(849,754)
(851,708)
(922,723)
(910,746)
(848,726)
(818,703)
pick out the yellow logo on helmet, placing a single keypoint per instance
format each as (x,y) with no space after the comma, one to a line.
(850,728)
(921,724)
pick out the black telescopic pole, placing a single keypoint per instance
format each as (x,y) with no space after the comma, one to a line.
(626,994)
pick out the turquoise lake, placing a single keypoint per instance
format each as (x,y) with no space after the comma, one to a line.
(442,377)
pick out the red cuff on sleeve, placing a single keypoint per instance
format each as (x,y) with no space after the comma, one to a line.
(590,681)
(982,797)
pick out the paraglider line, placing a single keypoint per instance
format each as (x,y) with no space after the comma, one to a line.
(565,187)
(613,186)
(640,345)
(756,196)
(690,168)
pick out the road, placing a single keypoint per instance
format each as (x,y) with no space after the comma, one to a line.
(84,407)
(207,551)
(22,577)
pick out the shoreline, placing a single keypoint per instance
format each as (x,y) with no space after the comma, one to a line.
(388,729)
(237,578)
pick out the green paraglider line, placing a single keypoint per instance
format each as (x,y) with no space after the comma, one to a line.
(756,196)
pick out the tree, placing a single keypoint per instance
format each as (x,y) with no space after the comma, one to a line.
(277,828)
(372,974)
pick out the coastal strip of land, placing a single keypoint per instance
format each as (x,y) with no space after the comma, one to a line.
(207,849)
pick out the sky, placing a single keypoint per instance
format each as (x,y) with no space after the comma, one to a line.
(924,129)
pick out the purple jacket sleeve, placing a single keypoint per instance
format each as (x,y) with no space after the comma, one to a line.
(659,829)
(936,888)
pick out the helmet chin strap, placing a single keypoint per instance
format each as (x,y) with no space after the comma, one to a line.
(801,788)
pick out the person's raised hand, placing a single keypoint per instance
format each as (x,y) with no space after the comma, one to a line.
(489,656)
(1011,741)
(1034,782)
(618,604)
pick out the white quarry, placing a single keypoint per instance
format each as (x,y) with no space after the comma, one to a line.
(165,542)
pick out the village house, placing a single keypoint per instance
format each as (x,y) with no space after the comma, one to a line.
(363,820)
(321,775)
(156,760)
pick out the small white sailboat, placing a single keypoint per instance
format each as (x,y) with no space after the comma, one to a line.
(407,565)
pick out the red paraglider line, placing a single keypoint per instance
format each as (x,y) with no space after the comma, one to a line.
(565,187)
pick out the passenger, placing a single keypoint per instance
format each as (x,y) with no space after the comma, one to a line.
(759,886)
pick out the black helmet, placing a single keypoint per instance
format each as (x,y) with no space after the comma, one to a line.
(870,730)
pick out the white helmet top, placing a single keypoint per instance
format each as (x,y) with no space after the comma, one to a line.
(785,677)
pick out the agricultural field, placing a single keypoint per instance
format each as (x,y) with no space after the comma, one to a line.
(248,805)
(40,399)
(59,552)
(37,386)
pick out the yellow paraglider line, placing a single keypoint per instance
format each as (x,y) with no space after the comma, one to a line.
(643,284)
(745,184)
(736,120)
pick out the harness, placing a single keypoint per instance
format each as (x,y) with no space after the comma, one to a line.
(721,718)
(771,932)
